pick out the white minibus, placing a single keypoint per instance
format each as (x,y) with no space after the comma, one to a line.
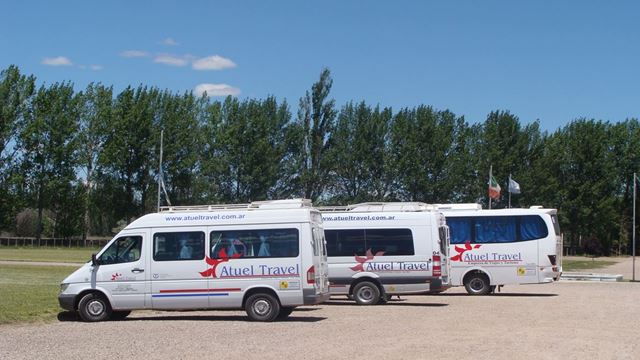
(492,248)
(265,257)
(377,250)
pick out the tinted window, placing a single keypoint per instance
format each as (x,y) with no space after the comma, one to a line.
(532,227)
(174,246)
(391,241)
(357,242)
(495,229)
(345,242)
(255,243)
(460,228)
(123,250)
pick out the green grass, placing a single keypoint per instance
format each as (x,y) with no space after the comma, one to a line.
(47,254)
(30,293)
(587,264)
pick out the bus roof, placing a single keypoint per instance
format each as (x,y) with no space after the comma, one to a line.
(259,212)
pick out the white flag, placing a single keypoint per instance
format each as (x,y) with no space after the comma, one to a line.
(514,187)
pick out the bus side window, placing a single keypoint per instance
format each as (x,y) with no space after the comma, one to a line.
(460,229)
(532,227)
(496,229)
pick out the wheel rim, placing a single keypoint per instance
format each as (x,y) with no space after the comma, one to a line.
(476,284)
(366,294)
(95,308)
(262,307)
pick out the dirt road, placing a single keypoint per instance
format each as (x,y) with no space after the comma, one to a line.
(554,321)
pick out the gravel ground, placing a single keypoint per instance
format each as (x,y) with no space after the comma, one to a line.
(553,321)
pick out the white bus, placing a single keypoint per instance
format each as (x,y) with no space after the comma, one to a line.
(377,250)
(492,248)
(266,257)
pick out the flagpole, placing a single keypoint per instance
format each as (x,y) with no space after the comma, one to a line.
(160,169)
(509,190)
(490,175)
(633,250)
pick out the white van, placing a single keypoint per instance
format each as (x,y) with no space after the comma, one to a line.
(266,257)
(377,250)
(492,248)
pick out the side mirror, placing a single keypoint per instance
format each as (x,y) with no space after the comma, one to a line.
(94,260)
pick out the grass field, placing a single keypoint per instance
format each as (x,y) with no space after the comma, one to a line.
(30,293)
(585,264)
(51,254)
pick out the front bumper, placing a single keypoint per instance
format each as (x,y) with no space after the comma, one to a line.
(67,301)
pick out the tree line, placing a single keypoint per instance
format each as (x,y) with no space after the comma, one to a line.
(85,163)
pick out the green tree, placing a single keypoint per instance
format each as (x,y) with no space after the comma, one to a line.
(586,198)
(95,119)
(423,144)
(625,151)
(16,91)
(48,142)
(181,117)
(316,120)
(128,156)
(509,148)
(359,144)
(247,148)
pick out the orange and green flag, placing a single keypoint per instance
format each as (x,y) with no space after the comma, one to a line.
(494,188)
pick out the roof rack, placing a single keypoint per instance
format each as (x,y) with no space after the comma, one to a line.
(255,205)
(380,207)
(463,206)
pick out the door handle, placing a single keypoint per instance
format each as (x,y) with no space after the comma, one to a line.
(137,270)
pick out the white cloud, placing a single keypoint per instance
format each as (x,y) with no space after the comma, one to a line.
(57,61)
(216,90)
(172,60)
(214,62)
(134,53)
(96,67)
(170,42)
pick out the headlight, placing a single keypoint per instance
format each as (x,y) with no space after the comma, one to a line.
(63,287)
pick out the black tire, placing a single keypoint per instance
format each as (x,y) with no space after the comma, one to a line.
(477,284)
(120,315)
(366,293)
(94,307)
(285,312)
(262,307)
(384,298)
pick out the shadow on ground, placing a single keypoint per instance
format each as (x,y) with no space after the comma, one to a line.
(393,302)
(182,316)
(502,295)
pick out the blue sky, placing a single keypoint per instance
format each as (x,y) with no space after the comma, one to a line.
(549,60)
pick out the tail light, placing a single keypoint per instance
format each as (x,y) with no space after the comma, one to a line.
(552,258)
(437,267)
(311,275)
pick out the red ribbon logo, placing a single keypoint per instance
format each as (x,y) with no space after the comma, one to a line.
(362,260)
(460,251)
(222,257)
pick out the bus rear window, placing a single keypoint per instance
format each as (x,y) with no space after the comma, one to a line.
(556,224)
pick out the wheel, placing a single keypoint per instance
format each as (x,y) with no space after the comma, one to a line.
(262,307)
(366,293)
(120,315)
(477,284)
(285,312)
(94,307)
